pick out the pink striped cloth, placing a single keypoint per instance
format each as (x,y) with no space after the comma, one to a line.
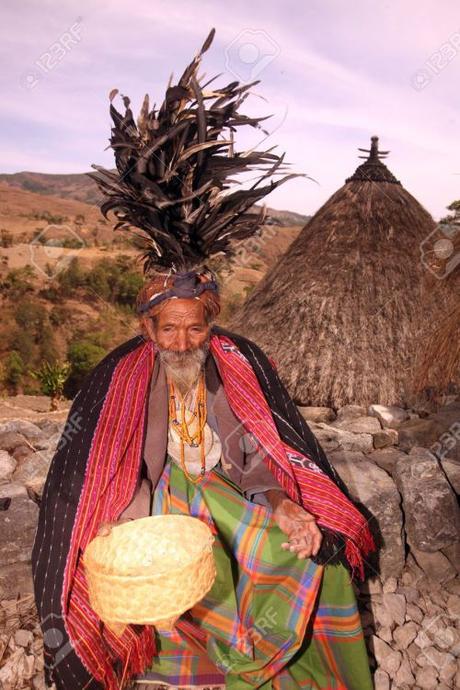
(110,482)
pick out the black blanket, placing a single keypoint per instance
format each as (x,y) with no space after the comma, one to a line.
(64,484)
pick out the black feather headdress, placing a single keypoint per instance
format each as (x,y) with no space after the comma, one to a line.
(174,169)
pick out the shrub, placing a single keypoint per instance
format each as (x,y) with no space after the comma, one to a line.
(52,378)
(83,357)
(18,282)
(14,371)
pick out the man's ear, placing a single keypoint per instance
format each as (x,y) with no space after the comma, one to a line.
(148,328)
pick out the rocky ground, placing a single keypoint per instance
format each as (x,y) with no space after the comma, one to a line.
(402,465)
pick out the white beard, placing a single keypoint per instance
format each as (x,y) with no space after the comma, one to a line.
(184,368)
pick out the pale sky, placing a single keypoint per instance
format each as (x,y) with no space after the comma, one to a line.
(333,73)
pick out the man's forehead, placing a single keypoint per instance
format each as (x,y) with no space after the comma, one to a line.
(182,312)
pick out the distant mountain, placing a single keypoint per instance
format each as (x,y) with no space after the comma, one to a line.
(80,187)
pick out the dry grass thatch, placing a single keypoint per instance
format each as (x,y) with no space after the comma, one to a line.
(439,362)
(344,310)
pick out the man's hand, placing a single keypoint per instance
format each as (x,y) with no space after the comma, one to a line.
(106,527)
(297,523)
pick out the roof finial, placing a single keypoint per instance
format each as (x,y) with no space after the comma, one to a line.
(373,170)
(374,153)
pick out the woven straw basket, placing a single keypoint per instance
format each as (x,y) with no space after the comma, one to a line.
(149,570)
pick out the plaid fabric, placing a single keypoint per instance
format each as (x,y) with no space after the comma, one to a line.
(270,621)
(93,477)
(302,479)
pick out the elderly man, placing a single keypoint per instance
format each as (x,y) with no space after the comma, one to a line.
(193,419)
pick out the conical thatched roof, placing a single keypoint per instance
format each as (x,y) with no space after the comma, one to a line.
(341,310)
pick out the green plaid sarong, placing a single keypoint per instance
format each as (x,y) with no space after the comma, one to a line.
(271,621)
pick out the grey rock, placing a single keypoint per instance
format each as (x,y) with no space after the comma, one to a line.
(452,553)
(17,524)
(435,565)
(390,585)
(381,680)
(404,675)
(385,438)
(396,606)
(452,471)
(317,414)
(9,440)
(385,635)
(427,678)
(16,579)
(453,586)
(33,471)
(386,458)
(387,659)
(389,416)
(358,425)
(7,466)
(430,506)
(438,432)
(413,613)
(372,486)
(333,439)
(350,411)
(404,635)
(23,638)
(31,431)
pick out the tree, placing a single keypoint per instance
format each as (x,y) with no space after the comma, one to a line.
(14,371)
(83,357)
(52,378)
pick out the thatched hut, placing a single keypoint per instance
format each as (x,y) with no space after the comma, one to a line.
(341,310)
(439,361)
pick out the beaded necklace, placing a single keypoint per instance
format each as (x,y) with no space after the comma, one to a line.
(182,425)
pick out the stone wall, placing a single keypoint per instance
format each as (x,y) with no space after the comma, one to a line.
(402,465)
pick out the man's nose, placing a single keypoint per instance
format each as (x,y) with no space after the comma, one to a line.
(182,343)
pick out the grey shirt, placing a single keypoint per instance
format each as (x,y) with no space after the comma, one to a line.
(242,462)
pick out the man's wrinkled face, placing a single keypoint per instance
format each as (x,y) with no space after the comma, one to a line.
(182,336)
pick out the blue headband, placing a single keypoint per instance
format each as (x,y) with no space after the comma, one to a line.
(186,284)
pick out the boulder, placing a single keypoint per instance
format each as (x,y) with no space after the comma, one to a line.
(17,524)
(349,411)
(405,634)
(9,440)
(430,506)
(389,416)
(386,458)
(358,425)
(16,579)
(439,432)
(385,437)
(452,552)
(33,471)
(317,414)
(381,680)
(372,486)
(332,438)
(31,431)
(452,472)
(7,466)
(435,565)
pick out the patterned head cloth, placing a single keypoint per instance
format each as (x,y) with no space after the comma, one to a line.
(201,285)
